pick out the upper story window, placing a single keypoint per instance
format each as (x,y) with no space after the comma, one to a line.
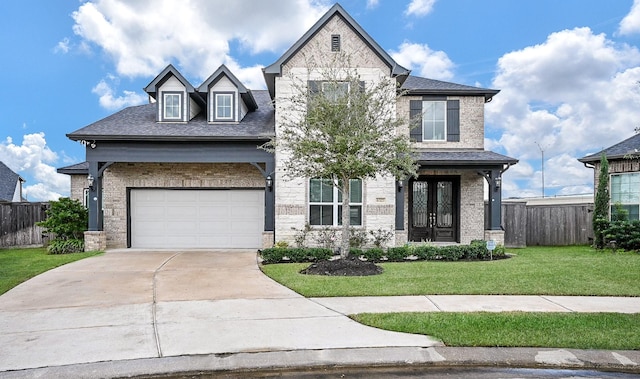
(334,91)
(434,118)
(325,202)
(223,107)
(625,194)
(172,106)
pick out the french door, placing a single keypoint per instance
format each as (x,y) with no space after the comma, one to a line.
(434,209)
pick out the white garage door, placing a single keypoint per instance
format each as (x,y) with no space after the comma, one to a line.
(197,218)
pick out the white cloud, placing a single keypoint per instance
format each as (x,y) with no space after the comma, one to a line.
(141,38)
(110,101)
(630,24)
(419,7)
(372,3)
(573,94)
(62,46)
(34,158)
(424,61)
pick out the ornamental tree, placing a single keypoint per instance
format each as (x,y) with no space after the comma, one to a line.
(338,127)
(601,206)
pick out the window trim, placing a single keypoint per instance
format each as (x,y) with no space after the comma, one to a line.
(335,204)
(445,126)
(612,202)
(165,95)
(231,96)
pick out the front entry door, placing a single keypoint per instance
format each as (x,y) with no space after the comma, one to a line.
(433,209)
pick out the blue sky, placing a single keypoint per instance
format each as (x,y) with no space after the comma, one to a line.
(568,70)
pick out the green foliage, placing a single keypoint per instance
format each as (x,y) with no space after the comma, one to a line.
(66,218)
(601,206)
(281,244)
(300,237)
(294,255)
(357,238)
(326,237)
(373,255)
(622,234)
(397,254)
(380,237)
(58,246)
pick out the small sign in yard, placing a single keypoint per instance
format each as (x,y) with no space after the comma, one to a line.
(491,246)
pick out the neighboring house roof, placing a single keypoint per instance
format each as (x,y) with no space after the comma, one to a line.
(630,146)
(245,93)
(139,123)
(461,157)
(75,169)
(415,85)
(9,181)
(275,69)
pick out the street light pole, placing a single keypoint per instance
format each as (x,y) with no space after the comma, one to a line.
(542,164)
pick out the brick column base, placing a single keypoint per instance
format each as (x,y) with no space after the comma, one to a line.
(496,235)
(267,239)
(95,240)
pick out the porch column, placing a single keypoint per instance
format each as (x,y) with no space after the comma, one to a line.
(400,188)
(93,206)
(495,199)
(270,197)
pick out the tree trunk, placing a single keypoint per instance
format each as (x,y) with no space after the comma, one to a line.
(346,219)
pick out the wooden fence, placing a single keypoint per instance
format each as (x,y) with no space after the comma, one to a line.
(546,224)
(18,224)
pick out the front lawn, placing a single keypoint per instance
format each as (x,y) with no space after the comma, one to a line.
(19,265)
(609,331)
(567,270)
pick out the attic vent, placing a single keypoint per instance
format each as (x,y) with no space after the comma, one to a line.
(335,42)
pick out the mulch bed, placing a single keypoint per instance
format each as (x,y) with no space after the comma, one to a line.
(351,266)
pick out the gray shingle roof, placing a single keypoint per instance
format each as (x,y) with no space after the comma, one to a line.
(8,181)
(139,123)
(629,146)
(75,169)
(463,158)
(415,85)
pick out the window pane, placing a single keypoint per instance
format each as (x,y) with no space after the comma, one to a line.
(625,188)
(335,90)
(171,106)
(223,105)
(355,215)
(315,191)
(356,191)
(434,120)
(321,215)
(327,191)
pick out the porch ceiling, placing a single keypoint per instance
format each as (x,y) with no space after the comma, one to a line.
(463,158)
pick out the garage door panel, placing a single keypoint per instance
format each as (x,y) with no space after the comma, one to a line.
(197,218)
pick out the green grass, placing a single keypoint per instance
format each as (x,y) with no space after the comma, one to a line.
(19,265)
(608,331)
(572,270)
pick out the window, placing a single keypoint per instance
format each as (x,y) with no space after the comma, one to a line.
(172,106)
(224,106)
(625,192)
(335,42)
(334,91)
(325,202)
(434,120)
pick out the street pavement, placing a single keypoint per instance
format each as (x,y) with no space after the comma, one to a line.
(137,312)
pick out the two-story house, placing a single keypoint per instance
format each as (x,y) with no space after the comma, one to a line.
(10,185)
(185,171)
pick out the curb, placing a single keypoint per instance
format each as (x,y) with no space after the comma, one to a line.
(627,361)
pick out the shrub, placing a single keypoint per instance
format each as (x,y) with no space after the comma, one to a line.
(357,238)
(319,254)
(452,253)
(281,244)
(273,254)
(626,234)
(425,252)
(374,254)
(327,238)
(397,254)
(300,237)
(59,246)
(296,254)
(66,218)
(380,237)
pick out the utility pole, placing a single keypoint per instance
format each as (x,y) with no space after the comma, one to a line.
(542,163)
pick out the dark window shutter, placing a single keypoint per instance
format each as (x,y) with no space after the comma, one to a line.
(361,83)
(415,122)
(313,86)
(453,120)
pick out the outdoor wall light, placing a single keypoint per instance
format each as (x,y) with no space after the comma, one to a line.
(498,182)
(269,182)
(90,180)
(400,185)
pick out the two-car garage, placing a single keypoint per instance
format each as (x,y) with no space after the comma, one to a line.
(196,218)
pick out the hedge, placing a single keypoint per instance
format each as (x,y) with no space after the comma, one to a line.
(477,250)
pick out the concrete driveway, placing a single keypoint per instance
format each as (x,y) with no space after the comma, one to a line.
(132,304)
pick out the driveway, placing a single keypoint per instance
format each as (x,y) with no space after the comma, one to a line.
(133,304)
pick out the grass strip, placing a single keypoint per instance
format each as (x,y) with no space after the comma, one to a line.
(567,270)
(19,265)
(608,331)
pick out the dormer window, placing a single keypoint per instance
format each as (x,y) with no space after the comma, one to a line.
(172,105)
(223,107)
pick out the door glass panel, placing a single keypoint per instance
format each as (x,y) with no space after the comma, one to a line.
(444,208)
(420,211)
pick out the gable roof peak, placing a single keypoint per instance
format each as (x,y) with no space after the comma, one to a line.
(223,70)
(151,88)
(275,69)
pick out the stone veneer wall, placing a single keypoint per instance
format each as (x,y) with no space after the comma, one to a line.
(78,184)
(120,176)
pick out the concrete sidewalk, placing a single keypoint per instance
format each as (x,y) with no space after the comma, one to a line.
(149,312)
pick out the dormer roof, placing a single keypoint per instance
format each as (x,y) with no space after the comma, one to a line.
(169,71)
(275,69)
(244,92)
